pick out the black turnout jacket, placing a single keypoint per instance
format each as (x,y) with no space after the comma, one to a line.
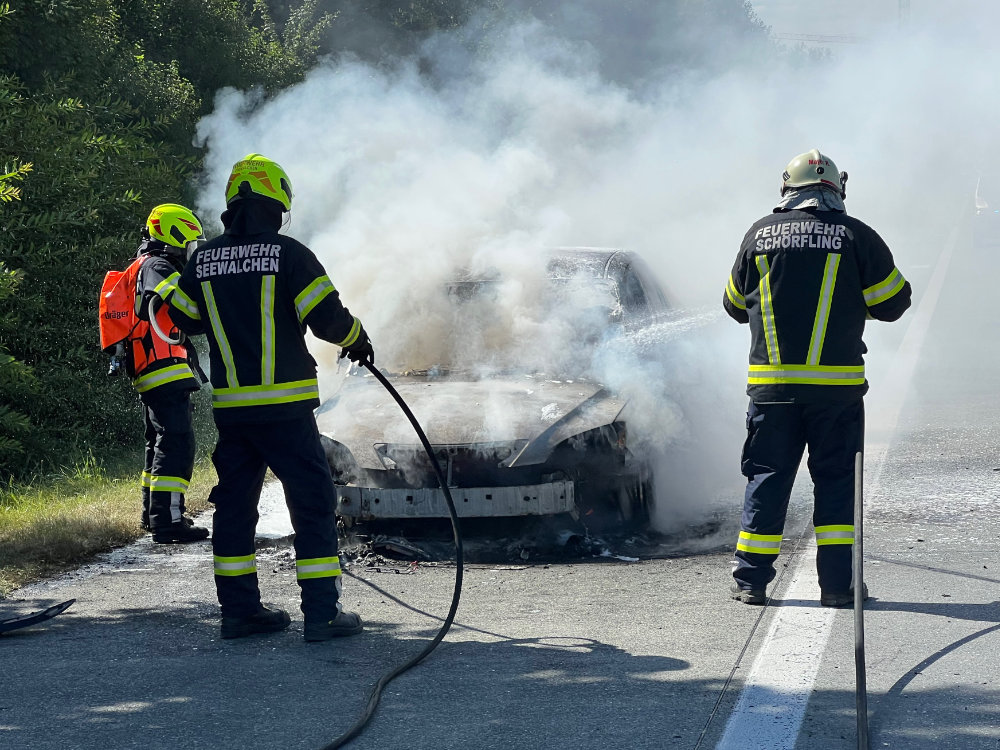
(806,280)
(252,292)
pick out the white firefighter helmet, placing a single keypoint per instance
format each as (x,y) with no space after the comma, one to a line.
(813,168)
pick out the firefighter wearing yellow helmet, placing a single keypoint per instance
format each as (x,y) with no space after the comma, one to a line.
(806,279)
(136,328)
(253,292)
(257,176)
(176,228)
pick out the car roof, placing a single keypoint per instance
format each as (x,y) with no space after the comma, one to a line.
(564,262)
(621,266)
(595,261)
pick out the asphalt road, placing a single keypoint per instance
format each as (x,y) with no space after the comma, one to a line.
(599,652)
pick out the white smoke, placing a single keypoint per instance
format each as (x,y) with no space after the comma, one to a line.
(402,177)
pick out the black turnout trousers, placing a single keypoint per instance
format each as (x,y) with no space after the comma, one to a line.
(169,456)
(292,450)
(777,436)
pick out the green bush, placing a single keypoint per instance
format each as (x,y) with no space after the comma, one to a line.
(99,98)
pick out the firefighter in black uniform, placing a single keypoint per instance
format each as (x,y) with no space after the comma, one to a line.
(253,291)
(160,363)
(806,279)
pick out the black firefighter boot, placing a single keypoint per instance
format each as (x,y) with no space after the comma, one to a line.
(264,620)
(344,624)
(181,532)
(168,522)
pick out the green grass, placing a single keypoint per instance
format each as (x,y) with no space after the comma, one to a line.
(63,520)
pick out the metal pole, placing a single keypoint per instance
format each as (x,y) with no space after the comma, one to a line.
(861,687)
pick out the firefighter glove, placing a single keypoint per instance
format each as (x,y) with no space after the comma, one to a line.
(360,351)
(117,364)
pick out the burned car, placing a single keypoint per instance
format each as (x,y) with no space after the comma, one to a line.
(515,439)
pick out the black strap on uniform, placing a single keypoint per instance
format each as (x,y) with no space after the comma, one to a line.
(194,362)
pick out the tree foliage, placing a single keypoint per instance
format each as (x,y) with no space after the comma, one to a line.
(77,219)
(16,378)
(98,102)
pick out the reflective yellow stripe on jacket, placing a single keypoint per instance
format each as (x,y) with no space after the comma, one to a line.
(164,375)
(823,309)
(185,304)
(166,287)
(767,311)
(885,289)
(225,350)
(312,295)
(261,395)
(807,374)
(267,330)
(352,335)
(735,297)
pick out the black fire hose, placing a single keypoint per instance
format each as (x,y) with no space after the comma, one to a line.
(376,693)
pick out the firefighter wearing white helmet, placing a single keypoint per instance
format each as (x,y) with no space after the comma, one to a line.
(253,292)
(806,279)
(813,168)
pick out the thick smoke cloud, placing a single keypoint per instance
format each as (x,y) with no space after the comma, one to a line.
(661,128)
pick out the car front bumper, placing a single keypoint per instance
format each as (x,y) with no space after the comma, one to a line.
(368,503)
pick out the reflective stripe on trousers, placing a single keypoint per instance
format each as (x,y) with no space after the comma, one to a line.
(168,484)
(764,544)
(291,449)
(240,565)
(835,534)
(318,567)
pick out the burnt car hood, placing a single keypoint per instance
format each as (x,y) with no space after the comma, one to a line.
(534,412)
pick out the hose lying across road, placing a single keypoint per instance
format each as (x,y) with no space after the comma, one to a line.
(376,693)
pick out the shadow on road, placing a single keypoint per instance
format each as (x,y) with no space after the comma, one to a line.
(161,678)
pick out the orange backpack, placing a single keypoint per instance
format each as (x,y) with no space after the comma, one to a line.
(141,346)
(117,308)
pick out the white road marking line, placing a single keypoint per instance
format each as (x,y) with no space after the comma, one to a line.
(773,701)
(778,686)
